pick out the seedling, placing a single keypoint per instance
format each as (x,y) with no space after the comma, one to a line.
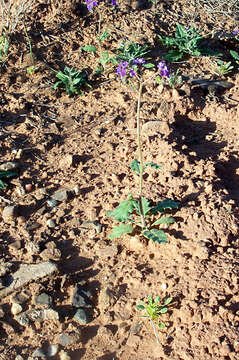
(30,69)
(224,67)
(4,45)
(72,80)
(6,174)
(131,51)
(154,310)
(187,40)
(137,214)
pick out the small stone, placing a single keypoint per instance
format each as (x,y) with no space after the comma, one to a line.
(64,356)
(51,252)
(152,127)
(92,224)
(76,190)
(21,297)
(9,165)
(37,315)
(32,248)
(82,316)
(81,297)
(43,299)
(67,161)
(39,353)
(10,212)
(61,195)
(164,286)
(16,309)
(108,251)
(136,328)
(19,357)
(16,245)
(69,338)
(52,203)
(5,268)
(51,223)
(30,226)
(52,350)
(19,154)
(21,219)
(28,187)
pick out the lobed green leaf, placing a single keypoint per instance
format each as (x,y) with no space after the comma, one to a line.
(120,230)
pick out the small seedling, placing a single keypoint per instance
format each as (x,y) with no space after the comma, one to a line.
(187,40)
(6,174)
(154,310)
(130,51)
(4,46)
(235,55)
(30,69)
(224,67)
(72,80)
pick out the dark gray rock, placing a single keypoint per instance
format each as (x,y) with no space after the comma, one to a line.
(61,195)
(81,297)
(82,316)
(69,338)
(43,299)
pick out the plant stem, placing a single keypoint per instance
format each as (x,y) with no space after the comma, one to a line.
(99,31)
(29,44)
(140,155)
(155,332)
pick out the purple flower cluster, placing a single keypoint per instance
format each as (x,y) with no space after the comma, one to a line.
(235,32)
(163,69)
(91,3)
(122,70)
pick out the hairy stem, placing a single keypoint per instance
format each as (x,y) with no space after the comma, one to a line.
(140,155)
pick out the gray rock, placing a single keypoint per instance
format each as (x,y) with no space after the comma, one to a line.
(9,165)
(10,212)
(19,357)
(82,316)
(81,297)
(153,127)
(39,353)
(16,245)
(30,226)
(43,299)
(27,273)
(51,223)
(61,195)
(21,297)
(36,316)
(92,224)
(64,356)
(52,350)
(51,252)
(69,338)
(52,203)
(16,308)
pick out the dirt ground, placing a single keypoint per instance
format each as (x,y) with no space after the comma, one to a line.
(86,143)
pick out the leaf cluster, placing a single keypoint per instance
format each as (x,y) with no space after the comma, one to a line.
(131,51)
(72,80)
(154,309)
(187,40)
(6,174)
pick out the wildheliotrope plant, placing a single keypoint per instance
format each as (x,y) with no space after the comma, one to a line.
(93,3)
(234,53)
(138,214)
(71,80)
(153,311)
(187,40)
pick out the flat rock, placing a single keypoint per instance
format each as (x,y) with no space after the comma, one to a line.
(82,316)
(29,316)
(69,338)
(43,299)
(27,273)
(153,127)
(10,212)
(61,195)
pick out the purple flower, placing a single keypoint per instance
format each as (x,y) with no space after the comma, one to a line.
(90,4)
(113,2)
(121,69)
(139,61)
(163,69)
(235,32)
(132,73)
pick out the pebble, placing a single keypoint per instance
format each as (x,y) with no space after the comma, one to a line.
(5,268)
(16,245)
(19,357)
(32,248)
(61,195)
(30,226)
(152,127)
(36,315)
(39,353)
(43,299)
(9,165)
(16,309)
(51,223)
(52,203)
(10,212)
(51,252)
(82,316)
(76,190)
(81,297)
(28,187)
(21,297)
(52,350)
(64,356)
(69,338)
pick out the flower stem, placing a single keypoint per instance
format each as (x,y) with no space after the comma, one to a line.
(140,155)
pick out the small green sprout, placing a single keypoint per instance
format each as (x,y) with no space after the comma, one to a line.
(154,310)
(224,67)
(4,175)
(187,40)
(72,80)
(4,45)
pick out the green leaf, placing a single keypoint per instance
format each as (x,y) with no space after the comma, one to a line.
(157,299)
(163,310)
(146,208)
(134,166)
(168,301)
(164,220)
(234,54)
(120,230)
(104,35)
(166,204)
(155,235)
(161,325)
(148,66)
(153,165)
(173,55)
(6,174)
(140,307)
(89,48)
(121,213)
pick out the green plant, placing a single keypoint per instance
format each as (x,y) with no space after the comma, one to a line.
(30,69)
(224,67)
(137,214)
(131,51)
(154,310)
(235,55)
(72,80)
(4,45)
(6,174)
(187,40)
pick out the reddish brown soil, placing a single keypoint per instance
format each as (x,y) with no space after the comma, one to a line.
(197,144)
